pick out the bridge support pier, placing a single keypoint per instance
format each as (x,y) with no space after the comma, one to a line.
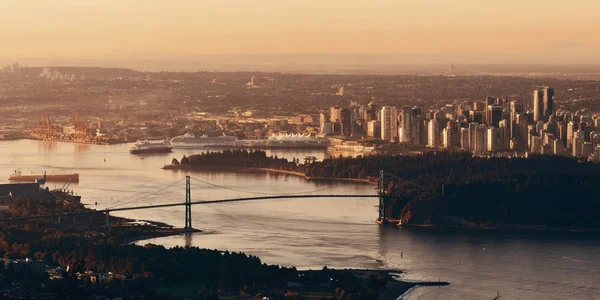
(188,205)
(107,220)
(381,198)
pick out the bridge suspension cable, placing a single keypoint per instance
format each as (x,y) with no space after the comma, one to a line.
(151,193)
(257,192)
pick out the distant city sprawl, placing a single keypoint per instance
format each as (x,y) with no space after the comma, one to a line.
(356,113)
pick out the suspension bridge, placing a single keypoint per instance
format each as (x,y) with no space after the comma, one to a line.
(262,196)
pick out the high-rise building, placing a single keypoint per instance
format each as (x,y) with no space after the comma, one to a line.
(587,150)
(503,135)
(543,103)
(536,144)
(492,139)
(472,129)
(488,101)
(494,115)
(336,114)
(406,132)
(322,120)
(448,138)
(374,129)
(464,138)
(476,116)
(433,134)
(548,102)
(480,145)
(538,105)
(389,123)
(570,132)
(559,149)
(347,121)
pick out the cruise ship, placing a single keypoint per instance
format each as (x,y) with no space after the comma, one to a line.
(286,141)
(151,147)
(189,141)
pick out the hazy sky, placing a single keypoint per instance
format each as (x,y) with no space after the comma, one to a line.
(45,29)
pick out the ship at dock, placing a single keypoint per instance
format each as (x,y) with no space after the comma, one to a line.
(190,141)
(287,141)
(151,147)
(17,176)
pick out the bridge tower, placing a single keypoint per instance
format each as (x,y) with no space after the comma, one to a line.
(381,198)
(188,205)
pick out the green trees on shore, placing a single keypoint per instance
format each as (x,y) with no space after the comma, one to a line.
(457,188)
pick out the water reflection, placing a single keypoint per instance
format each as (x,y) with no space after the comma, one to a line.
(81,147)
(47,146)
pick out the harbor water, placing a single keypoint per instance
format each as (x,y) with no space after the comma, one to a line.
(312,233)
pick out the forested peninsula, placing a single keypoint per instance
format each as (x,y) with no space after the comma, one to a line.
(450,188)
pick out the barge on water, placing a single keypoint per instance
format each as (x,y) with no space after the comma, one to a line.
(19,177)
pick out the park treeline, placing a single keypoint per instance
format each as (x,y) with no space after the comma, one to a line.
(150,266)
(455,188)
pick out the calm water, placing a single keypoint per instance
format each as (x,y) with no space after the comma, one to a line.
(310,233)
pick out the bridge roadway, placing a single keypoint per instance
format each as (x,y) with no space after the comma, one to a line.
(108,210)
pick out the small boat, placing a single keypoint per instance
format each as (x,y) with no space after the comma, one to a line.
(17,176)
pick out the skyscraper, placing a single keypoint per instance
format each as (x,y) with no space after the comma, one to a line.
(548,102)
(433,134)
(336,114)
(406,133)
(543,103)
(389,123)
(538,105)
(494,115)
(492,139)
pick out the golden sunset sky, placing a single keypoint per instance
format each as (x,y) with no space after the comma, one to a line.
(153,29)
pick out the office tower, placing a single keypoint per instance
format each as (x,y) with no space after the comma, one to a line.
(389,124)
(336,114)
(536,144)
(538,105)
(558,148)
(448,137)
(478,106)
(548,93)
(486,108)
(587,150)
(327,128)
(503,135)
(577,144)
(492,139)
(472,129)
(374,129)
(322,120)
(337,128)
(516,107)
(521,132)
(358,128)
(406,132)
(347,121)
(570,132)
(464,138)
(494,115)
(480,145)
(476,116)
(433,133)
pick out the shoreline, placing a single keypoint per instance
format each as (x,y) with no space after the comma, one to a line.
(505,228)
(395,288)
(255,169)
